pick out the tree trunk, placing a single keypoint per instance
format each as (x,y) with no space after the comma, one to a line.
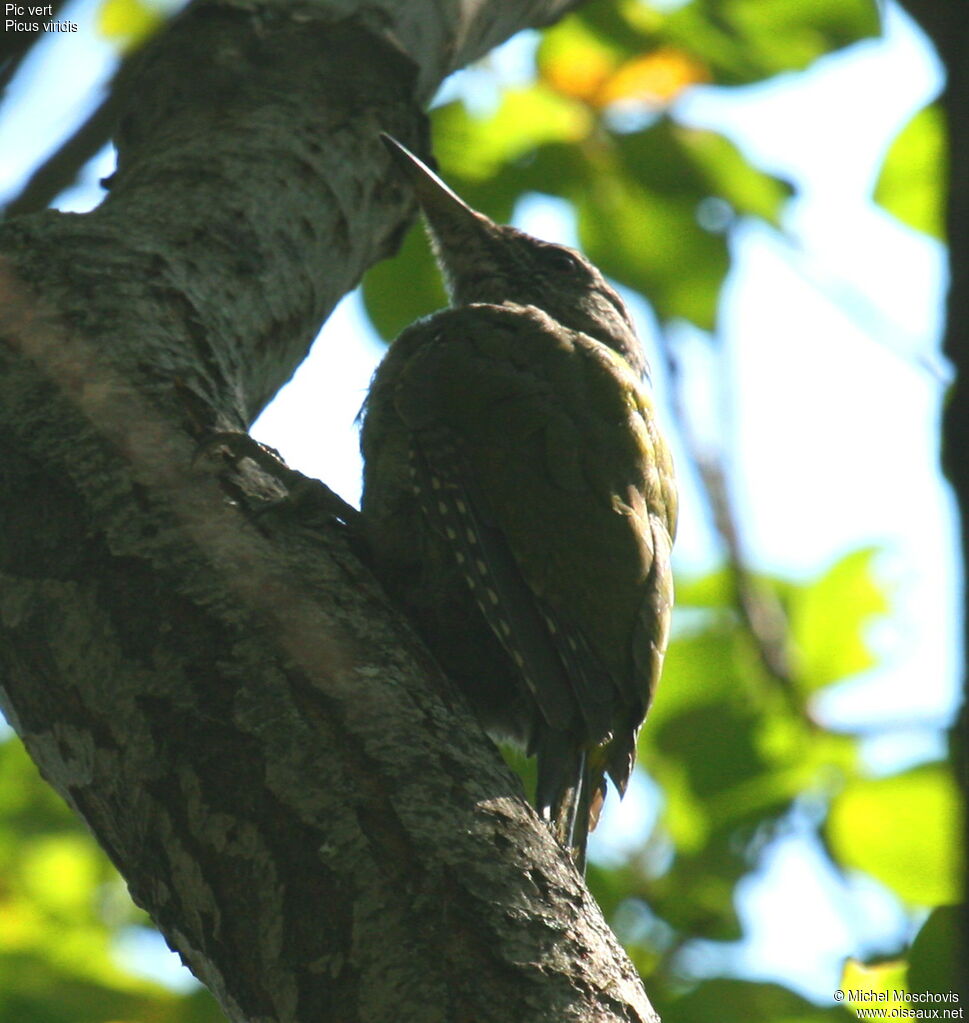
(223,693)
(946,25)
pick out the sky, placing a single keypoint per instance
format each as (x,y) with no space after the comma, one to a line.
(830,358)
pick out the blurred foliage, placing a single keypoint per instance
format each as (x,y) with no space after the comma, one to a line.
(741,757)
(741,763)
(63,909)
(737,1001)
(911,185)
(920,811)
(126,23)
(822,621)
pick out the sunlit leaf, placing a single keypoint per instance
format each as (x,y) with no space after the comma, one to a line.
(60,873)
(127,22)
(829,619)
(912,182)
(713,589)
(641,215)
(637,221)
(701,745)
(576,61)
(475,149)
(655,78)
(739,41)
(56,930)
(639,202)
(748,40)
(905,831)
(805,759)
(879,978)
(698,672)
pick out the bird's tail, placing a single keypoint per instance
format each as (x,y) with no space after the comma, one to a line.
(569,792)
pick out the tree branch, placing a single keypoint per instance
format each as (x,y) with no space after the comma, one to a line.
(267,753)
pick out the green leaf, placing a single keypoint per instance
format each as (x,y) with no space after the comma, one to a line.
(741,1001)
(639,198)
(728,174)
(881,977)
(912,183)
(641,212)
(745,41)
(702,745)
(828,619)
(714,589)
(938,957)
(654,245)
(403,288)
(127,22)
(477,148)
(590,43)
(737,41)
(637,218)
(580,62)
(699,671)
(905,831)
(61,905)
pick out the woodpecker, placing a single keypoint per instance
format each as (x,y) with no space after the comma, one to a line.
(519,500)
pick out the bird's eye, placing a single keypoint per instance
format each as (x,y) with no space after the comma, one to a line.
(561,260)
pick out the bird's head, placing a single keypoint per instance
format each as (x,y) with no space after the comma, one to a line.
(487,262)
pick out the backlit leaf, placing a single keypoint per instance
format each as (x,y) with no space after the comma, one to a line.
(905,831)
(127,22)
(879,978)
(656,78)
(476,149)
(829,619)
(912,182)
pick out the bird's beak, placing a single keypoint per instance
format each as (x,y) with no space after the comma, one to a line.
(448,216)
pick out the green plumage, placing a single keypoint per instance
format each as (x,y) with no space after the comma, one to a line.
(519,502)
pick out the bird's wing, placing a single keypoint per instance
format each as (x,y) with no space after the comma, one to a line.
(650,639)
(539,448)
(457,509)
